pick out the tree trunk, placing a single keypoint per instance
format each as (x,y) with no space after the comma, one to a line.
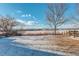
(55,30)
(74,33)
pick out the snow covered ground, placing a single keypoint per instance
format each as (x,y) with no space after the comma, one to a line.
(45,43)
(9,46)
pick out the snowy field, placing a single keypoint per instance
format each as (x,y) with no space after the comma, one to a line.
(19,46)
(43,45)
(60,45)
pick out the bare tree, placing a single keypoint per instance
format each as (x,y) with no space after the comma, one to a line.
(55,14)
(7,23)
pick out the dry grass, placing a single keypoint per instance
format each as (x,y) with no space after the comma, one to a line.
(66,44)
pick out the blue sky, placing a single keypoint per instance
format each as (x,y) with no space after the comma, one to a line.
(32,15)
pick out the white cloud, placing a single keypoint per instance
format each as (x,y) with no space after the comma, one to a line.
(28,23)
(32,23)
(23,15)
(29,15)
(26,15)
(19,11)
(69,26)
(21,21)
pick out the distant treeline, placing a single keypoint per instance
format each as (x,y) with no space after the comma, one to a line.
(47,29)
